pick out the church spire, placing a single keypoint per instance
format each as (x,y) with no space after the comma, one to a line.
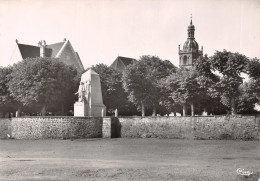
(191,29)
(190,52)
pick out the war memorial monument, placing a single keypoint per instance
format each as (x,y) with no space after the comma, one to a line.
(90,101)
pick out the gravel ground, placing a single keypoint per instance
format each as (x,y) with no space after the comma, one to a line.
(128,159)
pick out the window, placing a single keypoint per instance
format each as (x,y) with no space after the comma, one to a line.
(184,60)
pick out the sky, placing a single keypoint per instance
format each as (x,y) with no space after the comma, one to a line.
(101,30)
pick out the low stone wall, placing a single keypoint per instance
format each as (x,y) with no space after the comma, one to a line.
(237,128)
(56,127)
(5,128)
(233,127)
(106,128)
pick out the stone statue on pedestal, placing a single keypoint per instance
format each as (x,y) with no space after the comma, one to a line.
(81,92)
(90,101)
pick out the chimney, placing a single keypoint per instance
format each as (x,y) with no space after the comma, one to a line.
(42,45)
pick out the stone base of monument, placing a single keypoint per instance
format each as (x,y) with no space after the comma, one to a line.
(82,109)
(97,110)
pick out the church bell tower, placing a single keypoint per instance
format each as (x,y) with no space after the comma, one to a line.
(190,51)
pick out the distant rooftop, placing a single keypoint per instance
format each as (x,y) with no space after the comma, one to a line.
(121,63)
(69,56)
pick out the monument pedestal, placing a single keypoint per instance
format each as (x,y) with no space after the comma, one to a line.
(98,110)
(81,109)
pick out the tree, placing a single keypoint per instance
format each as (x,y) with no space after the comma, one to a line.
(5,97)
(166,100)
(209,92)
(7,103)
(114,96)
(194,87)
(230,65)
(247,98)
(43,82)
(253,70)
(141,81)
(249,92)
(183,88)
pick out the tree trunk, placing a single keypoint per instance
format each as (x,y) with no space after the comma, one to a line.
(184,110)
(205,112)
(199,110)
(154,110)
(143,109)
(233,106)
(62,109)
(18,113)
(192,109)
(43,110)
(116,113)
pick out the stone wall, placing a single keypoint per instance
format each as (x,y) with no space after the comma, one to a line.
(56,127)
(237,128)
(106,128)
(5,128)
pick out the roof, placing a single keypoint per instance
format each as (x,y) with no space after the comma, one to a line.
(52,50)
(79,59)
(34,51)
(29,51)
(55,48)
(121,63)
(190,44)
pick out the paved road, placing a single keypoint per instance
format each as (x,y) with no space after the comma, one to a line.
(128,159)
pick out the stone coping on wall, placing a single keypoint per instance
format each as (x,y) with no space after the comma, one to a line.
(57,117)
(60,117)
(237,115)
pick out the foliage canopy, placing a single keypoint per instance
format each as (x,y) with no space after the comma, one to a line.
(43,82)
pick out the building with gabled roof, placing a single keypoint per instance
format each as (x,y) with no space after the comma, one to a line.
(120,63)
(62,50)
